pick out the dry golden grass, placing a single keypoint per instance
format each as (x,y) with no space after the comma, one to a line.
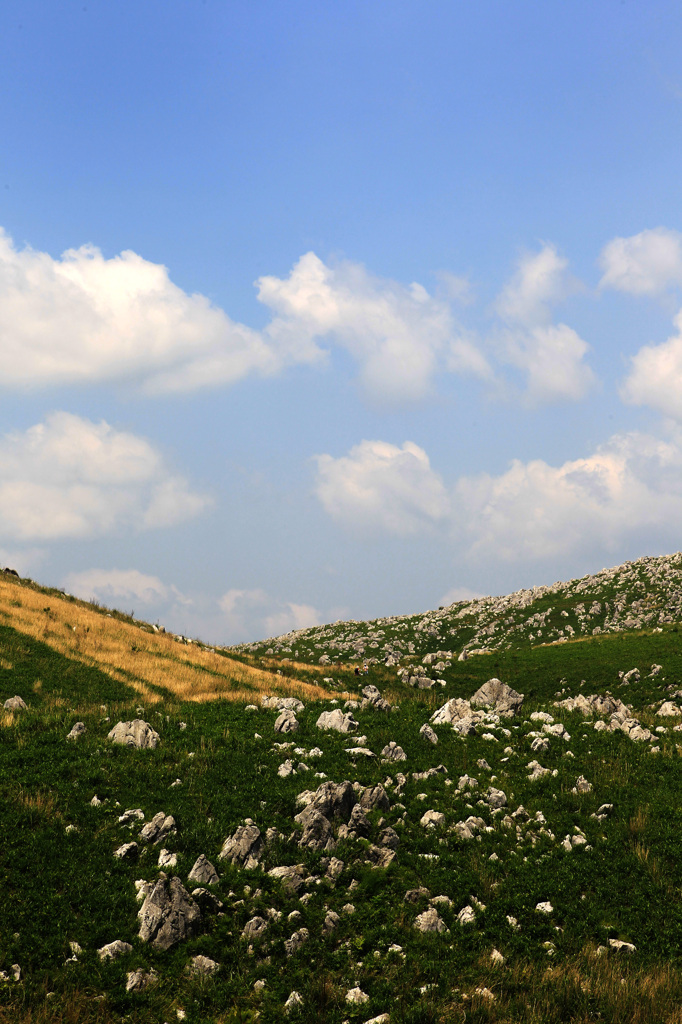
(132,655)
(43,802)
(581,991)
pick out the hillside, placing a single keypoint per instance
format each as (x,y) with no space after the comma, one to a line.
(452,837)
(637,595)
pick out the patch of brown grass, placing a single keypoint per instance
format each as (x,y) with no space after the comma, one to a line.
(581,990)
(139,658)
(43,802)
(638,821)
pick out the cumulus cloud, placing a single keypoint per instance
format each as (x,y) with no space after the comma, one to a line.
(379,486)
(399,335)
(631,486)
(629,489)
(643,264)
(83,318)
(251,614)
(68,477)
(655,377)
(550,355)
(109,585)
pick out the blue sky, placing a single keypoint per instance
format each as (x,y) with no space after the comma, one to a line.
(312,310)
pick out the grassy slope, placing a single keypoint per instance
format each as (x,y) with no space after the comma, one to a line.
(60,887)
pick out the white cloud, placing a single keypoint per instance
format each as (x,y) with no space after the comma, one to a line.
(643,264)
(380,486)
(255,614)
(399,335)
(540,282)
(655,377)
(629,490)
(118,584)
(551,355)
(68,477)
(631,486)
(459,594)
(83,319)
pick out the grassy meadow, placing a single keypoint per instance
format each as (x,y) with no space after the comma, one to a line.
(218,764)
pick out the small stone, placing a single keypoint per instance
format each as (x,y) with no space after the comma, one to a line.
(356,996)
(622,947)
(139,980)
(77,730)
(330,922)
(286,722)
(114,949)
(298,939)
(254,928)
(432,819)
(202,965)
(203,872)
(430,921)
(168,914)
(392,752)
(127,852)
(15,704)
(293,1002)
(427,733)
(159,828)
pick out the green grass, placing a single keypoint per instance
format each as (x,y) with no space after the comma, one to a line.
(60,886)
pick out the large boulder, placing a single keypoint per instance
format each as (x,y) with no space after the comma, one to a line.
(497,695)
(337,720)
(244,847)
(168,914)
(135,734)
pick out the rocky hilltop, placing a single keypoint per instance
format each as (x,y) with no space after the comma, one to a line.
(646,593)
